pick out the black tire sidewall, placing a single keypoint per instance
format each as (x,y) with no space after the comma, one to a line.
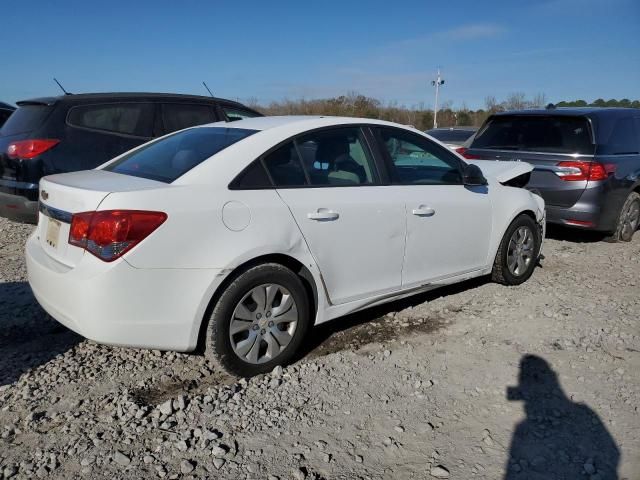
(522,220)
(218,342)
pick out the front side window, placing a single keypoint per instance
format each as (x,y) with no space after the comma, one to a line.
(234,114)
(125,118)
(177,116)
(416,160)
(169,158)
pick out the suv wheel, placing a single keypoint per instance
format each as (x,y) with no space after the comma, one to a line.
(517,255)
(628,220)
(259,321)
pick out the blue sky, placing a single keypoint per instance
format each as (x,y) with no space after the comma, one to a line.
(271,50)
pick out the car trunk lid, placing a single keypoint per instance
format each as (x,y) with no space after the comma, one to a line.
(63,195)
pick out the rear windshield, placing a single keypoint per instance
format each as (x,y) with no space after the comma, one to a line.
(173,156)
(25,119)
(539,133)
(458,136)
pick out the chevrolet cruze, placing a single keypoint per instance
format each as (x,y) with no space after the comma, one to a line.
(239,237)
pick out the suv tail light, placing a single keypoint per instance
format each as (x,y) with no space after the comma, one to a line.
(27,149)
(575,171)
(110,234)
(469,156)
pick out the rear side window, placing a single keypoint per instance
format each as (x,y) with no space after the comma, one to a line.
(171,157)
(176,116)
(624,138)
(331,158)
(284,166)
(234,114)
(125,118)
(536,133)
(26,119)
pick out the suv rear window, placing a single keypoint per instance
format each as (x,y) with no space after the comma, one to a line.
(127,118)
(536,133)
(173,156)
(26,119)
(459,136)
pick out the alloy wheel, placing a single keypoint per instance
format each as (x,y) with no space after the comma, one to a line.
(263,323)
(520,251)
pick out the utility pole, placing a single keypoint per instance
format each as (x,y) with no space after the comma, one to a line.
(436,83)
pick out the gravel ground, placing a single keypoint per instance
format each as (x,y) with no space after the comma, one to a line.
(415,389)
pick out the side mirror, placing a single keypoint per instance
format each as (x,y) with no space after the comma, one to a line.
(472,176)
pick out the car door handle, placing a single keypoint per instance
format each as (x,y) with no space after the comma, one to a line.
(423,211)
(323,214)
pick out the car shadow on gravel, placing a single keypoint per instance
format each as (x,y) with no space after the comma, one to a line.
(575,235)
(29,338)
(379,324)
(558,438)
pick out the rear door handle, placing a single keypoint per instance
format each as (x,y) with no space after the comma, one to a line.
(323,214)
(423,211)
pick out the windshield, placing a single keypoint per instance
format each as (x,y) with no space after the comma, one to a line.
(171,157)
(536,133)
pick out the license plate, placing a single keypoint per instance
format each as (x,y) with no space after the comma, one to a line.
(53,232)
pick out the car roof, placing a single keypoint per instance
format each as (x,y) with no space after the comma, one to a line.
(302,122)
(115,96)
(573,111)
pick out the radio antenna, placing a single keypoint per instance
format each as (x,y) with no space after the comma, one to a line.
(205,86)
(61,87)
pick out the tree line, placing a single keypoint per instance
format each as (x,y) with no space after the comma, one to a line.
(420,116)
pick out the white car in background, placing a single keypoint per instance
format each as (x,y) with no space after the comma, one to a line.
(240,237)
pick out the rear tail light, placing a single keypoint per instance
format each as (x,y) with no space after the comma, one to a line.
(575,171)
(110,234)
(27,149)
(469,156)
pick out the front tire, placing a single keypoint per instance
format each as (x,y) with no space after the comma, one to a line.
(518,253)
(259,321)
(628,220)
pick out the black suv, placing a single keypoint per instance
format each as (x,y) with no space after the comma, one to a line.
(80,132)
(586,162)
(5,112)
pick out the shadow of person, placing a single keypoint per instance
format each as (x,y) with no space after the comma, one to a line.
(559,439)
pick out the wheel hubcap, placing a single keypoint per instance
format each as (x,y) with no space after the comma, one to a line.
(263,323)
(630,219)
(520,252)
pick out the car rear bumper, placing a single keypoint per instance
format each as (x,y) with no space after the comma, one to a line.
(597,209)
(117,304)
(18,208)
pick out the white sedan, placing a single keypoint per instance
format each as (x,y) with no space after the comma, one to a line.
(238,237)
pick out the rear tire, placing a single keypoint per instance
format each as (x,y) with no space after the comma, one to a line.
(259,321)
(628,220)
(518,253)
